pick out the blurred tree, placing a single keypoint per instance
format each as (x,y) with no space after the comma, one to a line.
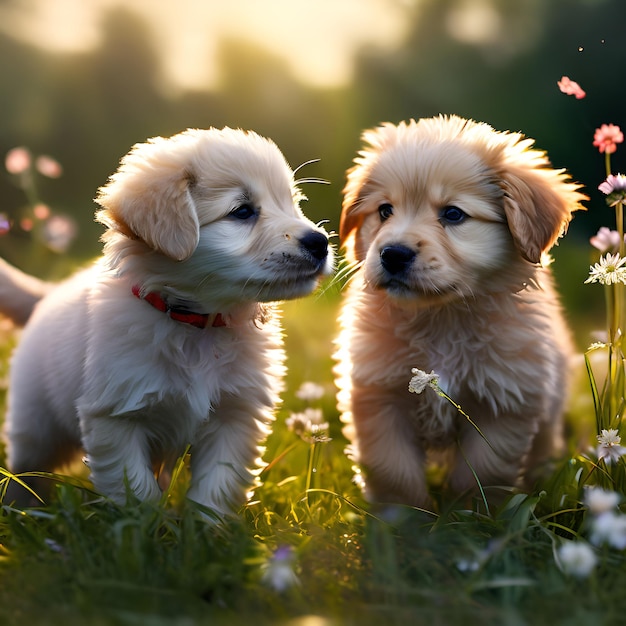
(507,77)
(493,60)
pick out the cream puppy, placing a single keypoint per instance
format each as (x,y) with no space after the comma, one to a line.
(448,222)
(164,342)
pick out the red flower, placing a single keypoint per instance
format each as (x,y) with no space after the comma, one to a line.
(571,88)
(607,137)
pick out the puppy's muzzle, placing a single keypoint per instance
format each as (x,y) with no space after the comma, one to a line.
(316,246)
(396,259)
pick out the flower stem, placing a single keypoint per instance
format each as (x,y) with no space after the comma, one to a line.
(614,392)
(618,329)
(458,407)
(619,222)
(612,328)
(310,468)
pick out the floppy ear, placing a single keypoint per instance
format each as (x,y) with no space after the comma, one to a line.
(148,198)
(538,202)
(351,218)
(375,141)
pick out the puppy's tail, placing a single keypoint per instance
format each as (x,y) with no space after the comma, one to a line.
(19,293)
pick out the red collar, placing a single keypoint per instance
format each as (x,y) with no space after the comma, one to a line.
(199,320)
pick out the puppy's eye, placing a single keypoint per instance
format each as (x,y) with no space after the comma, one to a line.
(452,215)
(244,212)
(385,211)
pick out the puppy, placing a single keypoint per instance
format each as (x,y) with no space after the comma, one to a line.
(164,342)
(448,222)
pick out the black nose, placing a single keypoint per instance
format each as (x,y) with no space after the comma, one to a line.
(396,259)
(316,243)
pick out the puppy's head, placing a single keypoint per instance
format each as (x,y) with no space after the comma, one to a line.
(447,207)
(212,216)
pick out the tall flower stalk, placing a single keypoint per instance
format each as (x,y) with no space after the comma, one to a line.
(610,271)
(36,220)
(311,427)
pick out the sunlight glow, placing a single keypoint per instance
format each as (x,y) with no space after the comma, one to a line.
(317,39)
(474,22)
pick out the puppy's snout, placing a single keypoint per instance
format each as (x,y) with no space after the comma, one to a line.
(396,259)
(316,244)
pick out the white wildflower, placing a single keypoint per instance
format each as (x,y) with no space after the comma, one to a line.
(610,528)
(576,558)
(310,391)
(600,500)
(609,437)
(609,447)
(421,380)
(318,434)
(299,422)
(608,271)
(278,572)
(309,425)
(467,565)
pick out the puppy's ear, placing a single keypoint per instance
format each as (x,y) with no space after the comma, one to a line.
(538,201)
(353,212)
(148,198)
(351,217)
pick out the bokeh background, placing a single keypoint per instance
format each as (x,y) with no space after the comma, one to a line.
(83,80)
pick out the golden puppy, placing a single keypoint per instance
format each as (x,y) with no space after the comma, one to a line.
(163,342)
(448,221)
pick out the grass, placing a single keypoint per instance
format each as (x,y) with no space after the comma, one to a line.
(83,560)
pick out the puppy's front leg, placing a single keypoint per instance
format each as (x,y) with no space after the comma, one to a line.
(118,456)
(226,452)
(498,462)
(387,446)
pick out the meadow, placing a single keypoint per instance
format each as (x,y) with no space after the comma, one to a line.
(307,550)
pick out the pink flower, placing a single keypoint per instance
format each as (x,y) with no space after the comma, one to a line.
(48,166)
(607,137)
(613,183)
(615,189)
(17,160)
(605,240)
(571,88)
(59,231)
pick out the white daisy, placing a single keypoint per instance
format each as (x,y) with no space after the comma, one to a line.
(608,271)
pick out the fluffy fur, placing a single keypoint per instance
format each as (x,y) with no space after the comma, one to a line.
(210,221)
(449,222)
